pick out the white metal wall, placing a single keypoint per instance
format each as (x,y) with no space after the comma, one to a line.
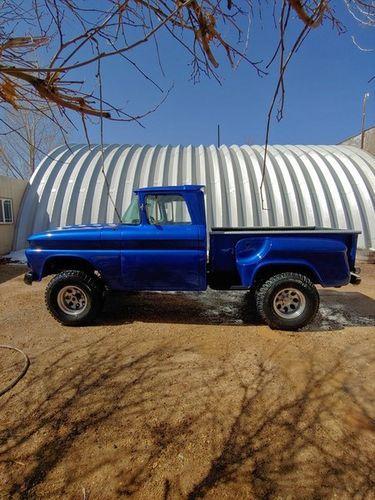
(330,186)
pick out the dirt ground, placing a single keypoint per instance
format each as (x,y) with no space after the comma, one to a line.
(174,396)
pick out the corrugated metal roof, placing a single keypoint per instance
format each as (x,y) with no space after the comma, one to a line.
(330,186)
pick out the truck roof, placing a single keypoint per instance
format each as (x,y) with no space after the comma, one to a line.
(184,187)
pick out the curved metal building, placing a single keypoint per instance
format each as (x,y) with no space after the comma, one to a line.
(331,186)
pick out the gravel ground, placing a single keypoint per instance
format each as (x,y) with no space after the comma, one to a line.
(174,395)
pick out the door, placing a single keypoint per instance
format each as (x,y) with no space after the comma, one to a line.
(167,250)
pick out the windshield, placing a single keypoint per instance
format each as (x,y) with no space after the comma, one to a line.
(131,215)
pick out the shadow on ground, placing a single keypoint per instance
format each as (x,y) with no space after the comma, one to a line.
(10,271)
(337,311)
(122,422)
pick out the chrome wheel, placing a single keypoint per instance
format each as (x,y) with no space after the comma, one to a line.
(72,300)
(289,303)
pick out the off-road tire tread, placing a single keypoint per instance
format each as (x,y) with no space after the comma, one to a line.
(91,281)
(304,282)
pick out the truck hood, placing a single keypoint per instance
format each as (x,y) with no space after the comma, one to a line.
(68,236)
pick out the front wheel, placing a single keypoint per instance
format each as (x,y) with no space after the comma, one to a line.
(287,301)
(74,297)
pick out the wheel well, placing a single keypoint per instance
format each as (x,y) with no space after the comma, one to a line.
(55,265)
(265,272)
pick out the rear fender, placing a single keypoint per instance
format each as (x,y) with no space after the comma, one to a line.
(324,260)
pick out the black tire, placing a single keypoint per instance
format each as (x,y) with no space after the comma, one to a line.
(86,287)
(287,301)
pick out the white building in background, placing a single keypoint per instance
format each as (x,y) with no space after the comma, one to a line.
(330,186)
(368,140)
(11,192)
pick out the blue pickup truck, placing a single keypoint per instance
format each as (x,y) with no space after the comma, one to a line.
(162,243)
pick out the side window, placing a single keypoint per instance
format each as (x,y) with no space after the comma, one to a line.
(167,209)
(6,211)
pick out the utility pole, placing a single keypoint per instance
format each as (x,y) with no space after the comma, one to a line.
(365,97)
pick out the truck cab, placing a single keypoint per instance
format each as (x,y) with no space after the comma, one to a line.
(164,240)
(161,244)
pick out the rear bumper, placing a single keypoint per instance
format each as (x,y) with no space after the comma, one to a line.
(28,278)
(355,279)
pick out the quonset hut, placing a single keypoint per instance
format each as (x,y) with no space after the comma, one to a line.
(330,186)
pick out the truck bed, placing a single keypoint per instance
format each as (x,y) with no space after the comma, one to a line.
(283,229)
(237,254)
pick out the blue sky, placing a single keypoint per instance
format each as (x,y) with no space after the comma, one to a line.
(325,84)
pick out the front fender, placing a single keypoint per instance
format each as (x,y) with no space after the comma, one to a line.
(106,262)
(324,259)
(36,258)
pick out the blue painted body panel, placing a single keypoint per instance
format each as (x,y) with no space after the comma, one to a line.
(237,257)
(134,257)
(148,256)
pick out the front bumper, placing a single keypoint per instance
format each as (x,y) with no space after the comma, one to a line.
(28,278)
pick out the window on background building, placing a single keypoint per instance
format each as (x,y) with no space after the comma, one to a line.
(6,211)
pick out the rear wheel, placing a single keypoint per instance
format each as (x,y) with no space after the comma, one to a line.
(287,301)
(74,297)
